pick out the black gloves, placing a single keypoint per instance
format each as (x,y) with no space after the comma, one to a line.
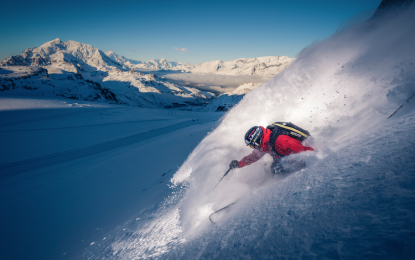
(234,164)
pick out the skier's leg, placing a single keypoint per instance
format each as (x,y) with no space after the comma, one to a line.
(296,165)
(291,166)
(276,167)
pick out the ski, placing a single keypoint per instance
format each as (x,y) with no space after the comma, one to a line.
(217,215)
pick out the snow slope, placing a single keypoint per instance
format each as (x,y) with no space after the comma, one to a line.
(71,171)
(353,201)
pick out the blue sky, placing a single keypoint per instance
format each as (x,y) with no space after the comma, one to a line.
(209,30)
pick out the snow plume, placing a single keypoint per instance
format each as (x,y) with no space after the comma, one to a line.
(338,89)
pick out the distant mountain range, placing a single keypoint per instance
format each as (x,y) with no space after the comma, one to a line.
(79,71)
(263,66)
(154,64)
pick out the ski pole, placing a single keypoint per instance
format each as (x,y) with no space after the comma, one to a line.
(226,173)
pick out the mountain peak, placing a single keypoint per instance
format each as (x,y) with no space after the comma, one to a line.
(57,40)
(64,55)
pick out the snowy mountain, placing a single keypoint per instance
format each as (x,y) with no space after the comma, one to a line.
(226,101)
(80,71)
(69,56)
(263,66)
(153,64)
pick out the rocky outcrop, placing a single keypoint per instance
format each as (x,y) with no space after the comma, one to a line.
(390,7)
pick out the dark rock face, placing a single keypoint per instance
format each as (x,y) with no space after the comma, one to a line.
(394,3)
(391,6)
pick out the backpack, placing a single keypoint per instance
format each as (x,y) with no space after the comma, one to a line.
(282,128)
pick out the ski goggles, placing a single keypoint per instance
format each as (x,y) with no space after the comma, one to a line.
(255,146)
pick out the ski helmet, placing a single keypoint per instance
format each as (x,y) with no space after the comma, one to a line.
(253,137)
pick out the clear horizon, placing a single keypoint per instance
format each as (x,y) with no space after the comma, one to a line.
(186,31)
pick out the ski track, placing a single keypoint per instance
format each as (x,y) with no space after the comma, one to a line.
(12,169)
(85,126)
(43,118)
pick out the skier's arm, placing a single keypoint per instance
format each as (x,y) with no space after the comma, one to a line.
(286,145)
(249,159)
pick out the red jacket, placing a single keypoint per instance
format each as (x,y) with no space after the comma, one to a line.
(284,145)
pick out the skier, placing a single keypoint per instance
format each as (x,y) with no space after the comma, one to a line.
(279,139)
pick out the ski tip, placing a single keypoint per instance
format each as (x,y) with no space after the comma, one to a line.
(211,219)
